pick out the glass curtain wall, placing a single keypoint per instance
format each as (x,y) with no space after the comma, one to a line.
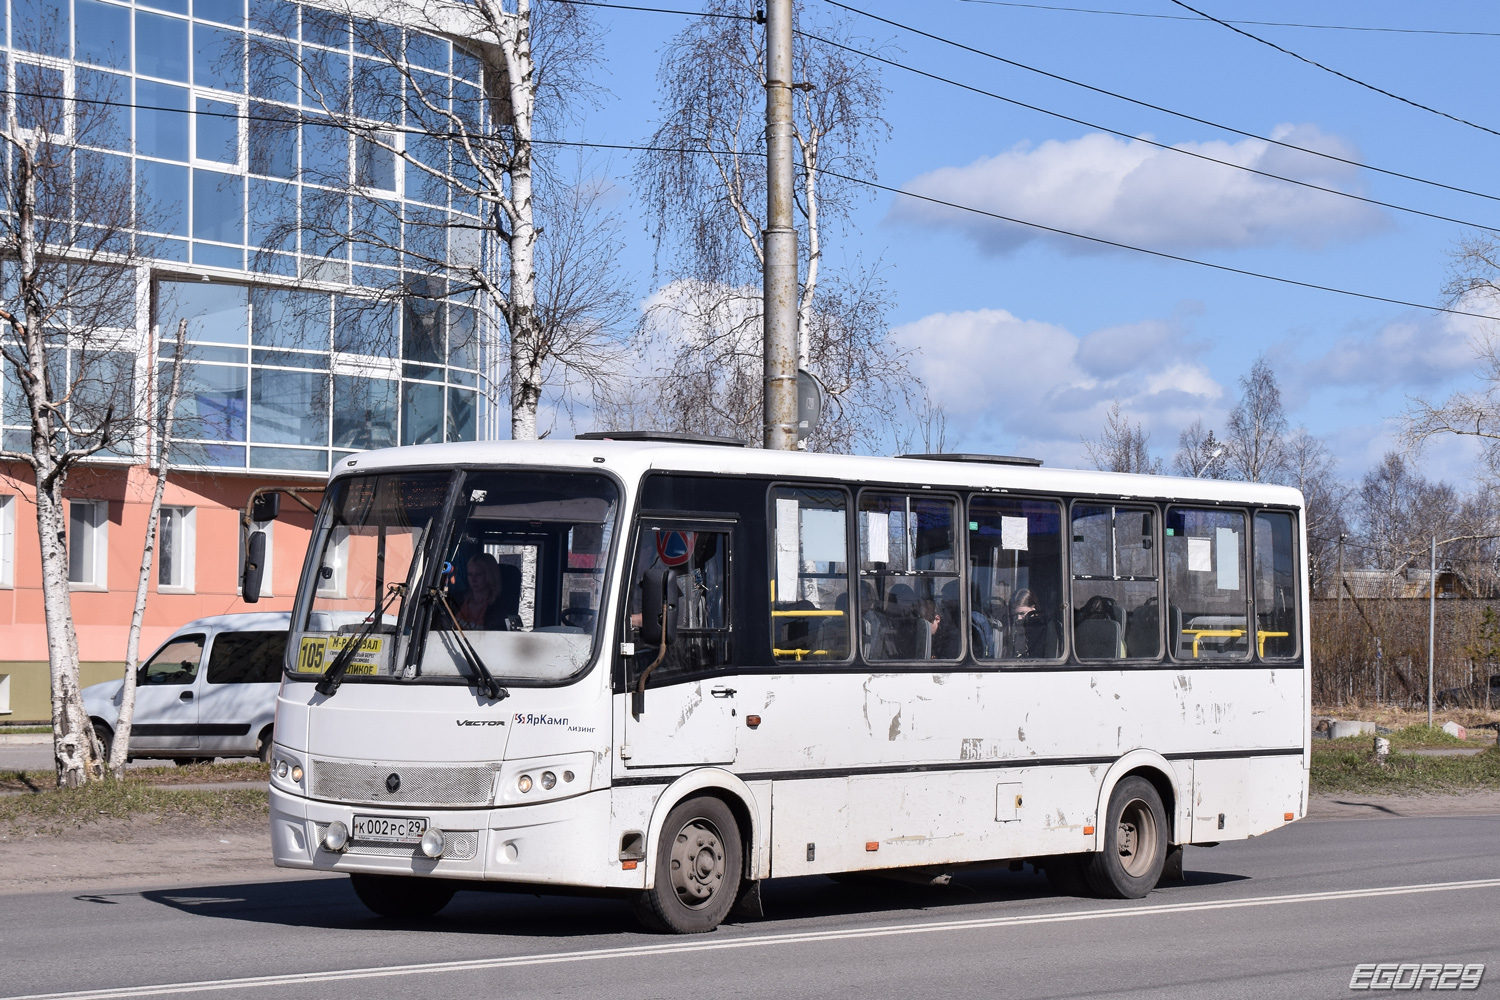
(222,141)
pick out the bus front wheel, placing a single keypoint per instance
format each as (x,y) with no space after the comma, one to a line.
(698,867)
(1135,842)
(402,896)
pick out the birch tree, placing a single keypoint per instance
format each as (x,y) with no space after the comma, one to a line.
(474,147)
(1122,446)
(1255,432)
(67,316)
(704,185)
(120,747)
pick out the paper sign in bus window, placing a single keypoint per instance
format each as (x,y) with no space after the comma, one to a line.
(786,548)
(878,536)
(1013,533)
(822,536)
(1229,558)
(1200,555)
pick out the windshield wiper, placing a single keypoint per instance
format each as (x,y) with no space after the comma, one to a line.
(482,676)
(329,683)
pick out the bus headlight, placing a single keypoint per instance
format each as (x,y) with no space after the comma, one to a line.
(544,779)
(281,769)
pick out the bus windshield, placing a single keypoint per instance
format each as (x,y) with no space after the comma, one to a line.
(505,565)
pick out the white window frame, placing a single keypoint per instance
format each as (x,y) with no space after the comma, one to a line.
(65,66)
(7,541)
(265,578)
(97,539)
(242,132)
(185,520)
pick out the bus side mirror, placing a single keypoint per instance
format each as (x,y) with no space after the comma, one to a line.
(267,507)
(255,567)
(656,609)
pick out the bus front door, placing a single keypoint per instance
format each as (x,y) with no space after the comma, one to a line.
(683,724)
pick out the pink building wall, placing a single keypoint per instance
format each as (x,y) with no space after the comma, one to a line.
(102,619)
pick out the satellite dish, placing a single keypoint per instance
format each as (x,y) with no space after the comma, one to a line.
(810,398)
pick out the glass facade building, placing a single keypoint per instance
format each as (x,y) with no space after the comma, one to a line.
(308,263)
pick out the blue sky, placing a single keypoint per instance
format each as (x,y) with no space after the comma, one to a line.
(1027,340)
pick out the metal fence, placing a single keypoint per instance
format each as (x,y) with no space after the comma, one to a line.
(1374,651)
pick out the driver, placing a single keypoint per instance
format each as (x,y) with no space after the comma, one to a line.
(479,608)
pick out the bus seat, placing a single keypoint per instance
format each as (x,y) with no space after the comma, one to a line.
(1141,631)
(1098,638)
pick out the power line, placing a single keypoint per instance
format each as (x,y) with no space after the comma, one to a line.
(1077,121)
(1340,75)
(863,181)
(1268,24)
(665,10)
(1157,107)
(900,192)
(1137,138)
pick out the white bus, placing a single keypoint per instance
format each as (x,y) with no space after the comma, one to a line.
(674,670)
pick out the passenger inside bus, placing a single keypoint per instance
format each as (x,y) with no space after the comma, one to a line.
(489,599)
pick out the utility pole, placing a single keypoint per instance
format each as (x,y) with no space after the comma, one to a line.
(1431,626)
(1340,585)
(779,278)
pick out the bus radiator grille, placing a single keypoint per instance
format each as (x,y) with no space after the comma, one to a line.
(418,785)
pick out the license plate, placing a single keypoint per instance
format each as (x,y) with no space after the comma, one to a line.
(390,829)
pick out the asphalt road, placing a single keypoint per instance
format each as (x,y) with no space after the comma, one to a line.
(1286,915)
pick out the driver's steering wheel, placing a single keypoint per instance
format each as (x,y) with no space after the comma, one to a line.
(581,618)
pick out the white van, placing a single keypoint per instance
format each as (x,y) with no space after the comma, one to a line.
(208,691)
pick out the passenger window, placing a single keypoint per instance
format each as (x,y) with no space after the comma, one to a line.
(690,567)
(1207,601)
(1276,632)
(810,592)
(1015,579)
(1116,611)
(174,663)
(246,657)
(909,601)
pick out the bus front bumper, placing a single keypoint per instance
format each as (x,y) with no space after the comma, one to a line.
(562,842)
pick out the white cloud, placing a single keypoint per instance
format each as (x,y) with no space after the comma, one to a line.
(1416,353)
(1136,193)
(1009,384)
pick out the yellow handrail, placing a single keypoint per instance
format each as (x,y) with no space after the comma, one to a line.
(808,614)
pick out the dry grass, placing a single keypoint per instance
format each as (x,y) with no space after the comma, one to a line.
(55,810)
(1393,717)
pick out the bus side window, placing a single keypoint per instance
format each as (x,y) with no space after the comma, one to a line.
(1015,579)
(910,604)
(1116,611)
(695,567)
(1275,586)
(810,615)
(1207,600)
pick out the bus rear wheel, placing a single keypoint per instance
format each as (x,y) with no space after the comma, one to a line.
(698,868)
(1135,842)
(402,896)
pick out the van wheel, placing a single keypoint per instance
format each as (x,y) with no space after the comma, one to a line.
(105,736)
(402,897)
(698,867)
(1135,843)
(263,746)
